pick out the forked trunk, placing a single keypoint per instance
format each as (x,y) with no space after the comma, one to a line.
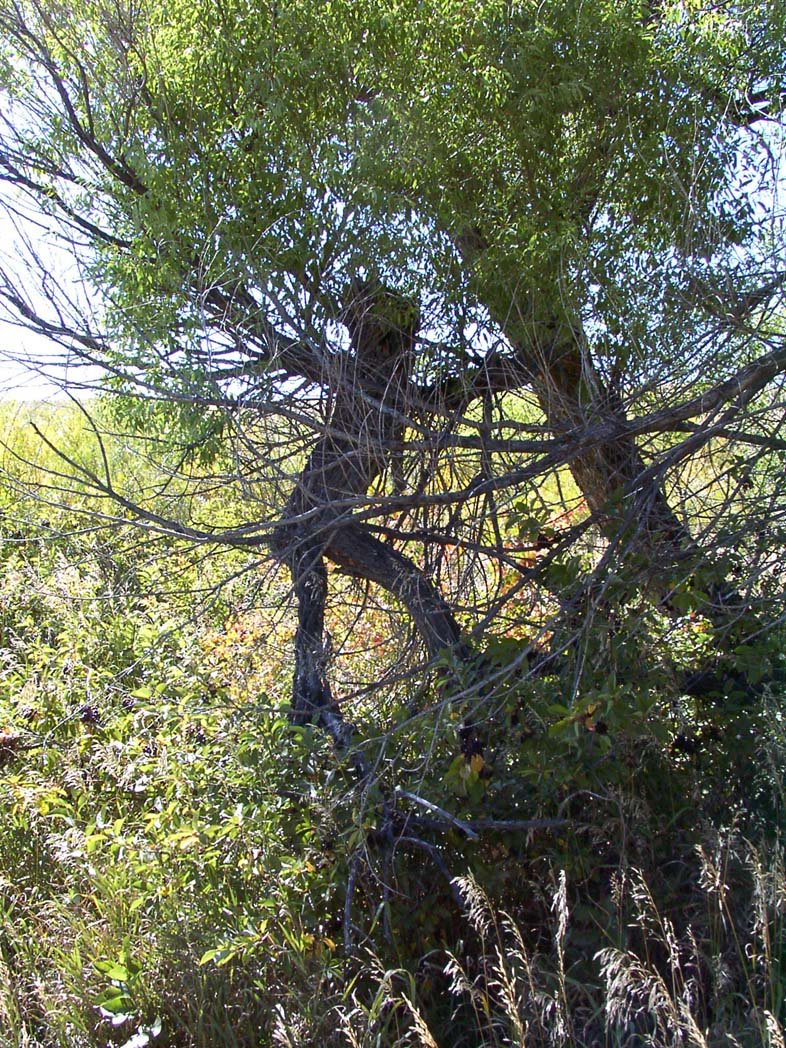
(368,391)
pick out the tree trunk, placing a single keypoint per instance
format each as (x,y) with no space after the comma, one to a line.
(611,475)
(368,392)
(360,554)
(628,503)
(552,359)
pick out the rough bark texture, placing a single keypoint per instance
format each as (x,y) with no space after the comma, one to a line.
(368,389)
(572,396)
(551,358)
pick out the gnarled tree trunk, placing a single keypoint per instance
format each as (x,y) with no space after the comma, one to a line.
(368,389)
(611,475)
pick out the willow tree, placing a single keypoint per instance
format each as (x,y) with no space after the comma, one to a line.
(402,260)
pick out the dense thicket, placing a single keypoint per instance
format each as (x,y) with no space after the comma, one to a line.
(481,308)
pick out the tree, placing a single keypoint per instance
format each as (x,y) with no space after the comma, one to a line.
(403,263)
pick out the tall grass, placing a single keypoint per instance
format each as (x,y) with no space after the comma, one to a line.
(718,981)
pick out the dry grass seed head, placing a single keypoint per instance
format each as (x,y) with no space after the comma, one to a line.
(476,903)
(775,1031)
(419,1036)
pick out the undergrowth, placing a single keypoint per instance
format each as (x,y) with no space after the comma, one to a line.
(181,867)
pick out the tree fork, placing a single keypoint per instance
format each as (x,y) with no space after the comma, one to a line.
(368,390)
(550,358)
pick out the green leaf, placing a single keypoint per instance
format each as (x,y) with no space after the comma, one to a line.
(115,1005)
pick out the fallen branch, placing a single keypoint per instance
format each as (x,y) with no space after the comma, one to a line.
(471,830)
(459,824)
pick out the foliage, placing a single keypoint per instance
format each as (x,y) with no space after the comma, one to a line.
(178,862)
(482,306)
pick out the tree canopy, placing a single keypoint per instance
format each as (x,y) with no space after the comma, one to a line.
(407,269)
(435,352)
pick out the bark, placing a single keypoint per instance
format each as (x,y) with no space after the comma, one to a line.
(368,389)
(625,497)
(552,359)
(609,475)
(360,554)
